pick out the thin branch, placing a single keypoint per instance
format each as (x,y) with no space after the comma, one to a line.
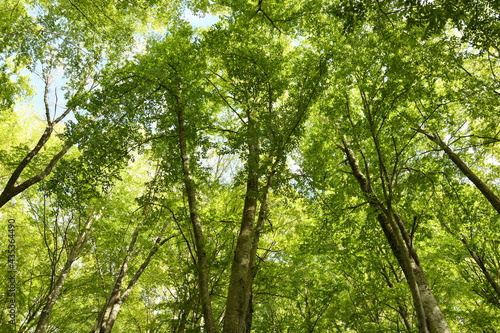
(267,16)
(225,100)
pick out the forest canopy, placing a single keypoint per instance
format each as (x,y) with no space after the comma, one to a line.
(250,166)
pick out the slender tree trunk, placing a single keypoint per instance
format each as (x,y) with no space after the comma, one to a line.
(201,252)
(403,312)
(430,317)
(54,294)
(238,312)
(255,244)
(109,312)
(11,189)
(43,320)
(480,262)
(480,185)
(435,318)
(405,262)
(238,296)
(101,325)
(239,308)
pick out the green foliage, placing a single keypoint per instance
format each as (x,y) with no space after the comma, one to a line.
(294,78)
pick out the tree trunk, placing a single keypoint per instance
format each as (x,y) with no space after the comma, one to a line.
(54,294)
(11,189)
(403,312)
(43,320)
(238,296)
(430,317)
(109,312)
(480,185)
(201,252)
(255,244)
(480,262)
(405,262)
(435,318)
(101,325)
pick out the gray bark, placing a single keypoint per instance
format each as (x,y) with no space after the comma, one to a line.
(109,312)
(480,185)
(430,317)
(201,252)
(238,296)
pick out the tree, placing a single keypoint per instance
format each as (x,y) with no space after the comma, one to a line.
(75,39)
(270,103)
(315,166)
(58,278)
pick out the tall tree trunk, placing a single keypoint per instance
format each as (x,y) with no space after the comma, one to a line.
(403,312)
(430,317)
(201,252)
(238,295)
(54,294)
(480,185)
(405,262)
(255,244)
(238,308)
(101,325)
(238,317)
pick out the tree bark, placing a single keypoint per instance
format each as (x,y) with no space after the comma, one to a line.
(101,325)
(201,252)
(430,317)
(11,189)
(238,295)
(405,262)
(109,312)
(255,244)
(403,312)
(480,185)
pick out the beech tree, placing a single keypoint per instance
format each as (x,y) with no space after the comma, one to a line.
(294,167)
